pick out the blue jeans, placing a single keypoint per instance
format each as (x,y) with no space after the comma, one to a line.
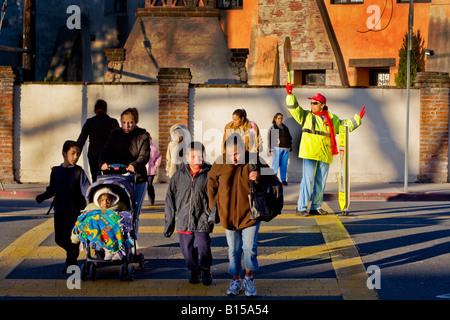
(313,183)
(280,159)
(140,190)
(245,241)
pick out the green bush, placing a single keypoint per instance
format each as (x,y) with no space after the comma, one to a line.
(417,59)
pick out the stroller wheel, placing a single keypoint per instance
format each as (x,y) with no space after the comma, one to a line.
(130,272)
(123,272)
(92,271)
(126,272)
(141,260)
(84,272)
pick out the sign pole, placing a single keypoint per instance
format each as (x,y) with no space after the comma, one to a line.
(344,180)
(408,80)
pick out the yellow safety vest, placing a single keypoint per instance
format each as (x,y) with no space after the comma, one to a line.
(315,143)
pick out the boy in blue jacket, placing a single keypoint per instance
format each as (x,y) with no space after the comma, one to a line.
(68,185)
(187,210)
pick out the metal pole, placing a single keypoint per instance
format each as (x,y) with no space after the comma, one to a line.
(408,80)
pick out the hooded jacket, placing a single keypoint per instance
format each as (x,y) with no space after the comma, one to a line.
(186,207)
(174,159)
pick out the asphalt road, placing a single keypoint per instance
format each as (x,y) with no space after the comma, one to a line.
(406,243)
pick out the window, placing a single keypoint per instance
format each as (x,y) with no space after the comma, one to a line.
(347,1)
(415,1)
(120,5)
(379,77)
(229,4)
(115,6)
(313,77)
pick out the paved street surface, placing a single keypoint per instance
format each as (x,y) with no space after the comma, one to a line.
(299,257)
(400,248)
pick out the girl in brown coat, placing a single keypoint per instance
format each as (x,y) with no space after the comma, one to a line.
(228,188)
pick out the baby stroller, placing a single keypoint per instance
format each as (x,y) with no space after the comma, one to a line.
(100,231)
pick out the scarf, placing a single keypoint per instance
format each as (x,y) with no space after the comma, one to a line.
(329,123)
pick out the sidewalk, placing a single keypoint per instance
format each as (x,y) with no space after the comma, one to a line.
(358,191)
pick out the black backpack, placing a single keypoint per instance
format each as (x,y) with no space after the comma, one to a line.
(267,200)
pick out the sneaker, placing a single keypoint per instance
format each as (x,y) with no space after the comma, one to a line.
(302,213)
(235,287)
(194,277)
(319,211)
(249,285)
(206,276)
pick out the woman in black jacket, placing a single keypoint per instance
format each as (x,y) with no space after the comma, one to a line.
(280,143)
(129,145)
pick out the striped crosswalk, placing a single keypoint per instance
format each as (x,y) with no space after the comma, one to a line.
(299,257)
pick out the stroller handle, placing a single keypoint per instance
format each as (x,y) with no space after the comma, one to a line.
(116,168)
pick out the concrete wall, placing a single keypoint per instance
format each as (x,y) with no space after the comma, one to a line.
(376,148)
(47,115)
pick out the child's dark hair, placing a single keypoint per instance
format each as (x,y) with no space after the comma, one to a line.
(69,144)
(196,145)
(234,140)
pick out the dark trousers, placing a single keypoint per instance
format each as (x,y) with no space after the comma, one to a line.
(64,223)
(196,249)
(151,190)
(94,167)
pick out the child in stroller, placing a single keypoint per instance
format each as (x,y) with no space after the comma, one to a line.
(105,226)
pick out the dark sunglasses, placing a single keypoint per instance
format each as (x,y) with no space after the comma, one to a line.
(315,103)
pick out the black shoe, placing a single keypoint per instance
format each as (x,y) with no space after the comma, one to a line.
(319,211)
(206,276)
(284,183)
(194,277)
(302,213)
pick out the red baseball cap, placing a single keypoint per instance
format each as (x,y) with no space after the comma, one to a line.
(320,98)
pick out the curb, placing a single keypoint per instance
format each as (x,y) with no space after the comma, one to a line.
(356,196)
(391,196)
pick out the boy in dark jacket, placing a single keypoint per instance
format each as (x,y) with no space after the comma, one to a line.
(68,184)
(187,210)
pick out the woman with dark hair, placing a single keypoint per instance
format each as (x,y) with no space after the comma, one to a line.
(97,129)
(129,145)
(280,143)
(248,130)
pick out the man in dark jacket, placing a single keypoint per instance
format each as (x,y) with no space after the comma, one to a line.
(187,210)
(97,129)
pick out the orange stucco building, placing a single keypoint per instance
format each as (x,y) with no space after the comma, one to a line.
(334,42)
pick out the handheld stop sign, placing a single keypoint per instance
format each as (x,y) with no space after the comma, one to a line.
(288,57)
